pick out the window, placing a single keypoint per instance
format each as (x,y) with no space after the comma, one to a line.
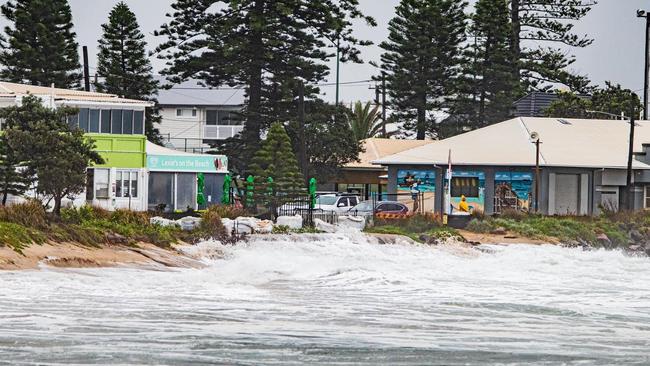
(138,122)
(101,183)
(105,121)
(211,117)
(186,112)
(464,186)
(229,118)
(94,120)
(126,183)
(647,197)
(116,121)
(83,119)
(353,201)
(127,122)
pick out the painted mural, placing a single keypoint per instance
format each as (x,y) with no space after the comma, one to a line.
(426,180)
(426,185)
(471,185)
(513,191)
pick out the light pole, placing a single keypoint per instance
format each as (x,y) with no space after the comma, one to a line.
(534,137)
(644,14)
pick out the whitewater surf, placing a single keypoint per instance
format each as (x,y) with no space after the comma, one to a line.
(337,299)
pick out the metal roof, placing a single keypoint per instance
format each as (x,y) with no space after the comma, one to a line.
(14,90)
(578,143)
(191,93)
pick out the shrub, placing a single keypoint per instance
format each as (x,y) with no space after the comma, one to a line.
(281,229)
(84,213)
(512,214)
(228,211)
(29,214)
(414,224)
(211,225)
(128,217)
(19,237)
(480,226)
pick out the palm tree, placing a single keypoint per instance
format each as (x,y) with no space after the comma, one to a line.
(365,122)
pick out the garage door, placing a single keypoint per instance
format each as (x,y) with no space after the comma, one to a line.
(567,194)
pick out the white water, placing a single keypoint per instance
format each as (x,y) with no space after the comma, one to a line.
(341,300)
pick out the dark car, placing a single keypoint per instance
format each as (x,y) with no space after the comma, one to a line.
(387,207)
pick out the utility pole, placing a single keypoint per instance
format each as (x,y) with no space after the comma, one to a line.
(537,178)
(644,14)
(86,71)
(301,121)
(383,104)
(630,157)
(338,61)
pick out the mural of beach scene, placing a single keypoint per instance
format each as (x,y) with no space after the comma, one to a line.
(426,180)
(471,184)
(513,191)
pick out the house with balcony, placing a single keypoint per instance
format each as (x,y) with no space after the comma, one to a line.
(194,117)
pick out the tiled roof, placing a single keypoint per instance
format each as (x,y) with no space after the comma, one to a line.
(13,89)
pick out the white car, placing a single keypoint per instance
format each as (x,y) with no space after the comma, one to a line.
(336,203)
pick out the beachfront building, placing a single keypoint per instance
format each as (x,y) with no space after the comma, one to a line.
(117,126)
(364,178)
(193,117)
(173,179)
(583,167)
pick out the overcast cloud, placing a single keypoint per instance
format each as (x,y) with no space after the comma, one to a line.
(616,54)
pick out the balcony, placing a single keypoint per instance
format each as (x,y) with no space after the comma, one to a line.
(221,132)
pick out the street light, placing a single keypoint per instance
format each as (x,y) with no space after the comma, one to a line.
(644,14)
(534,138)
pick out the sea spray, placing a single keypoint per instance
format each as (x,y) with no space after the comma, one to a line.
(337,299)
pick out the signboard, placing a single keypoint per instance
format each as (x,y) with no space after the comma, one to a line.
(188,163)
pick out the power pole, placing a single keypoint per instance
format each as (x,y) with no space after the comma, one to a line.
(338,61)
(537,178)
(383,104)
(630,157)
(646,71)
(301,121)
(86,71)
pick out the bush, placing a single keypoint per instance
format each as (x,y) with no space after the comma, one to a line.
(512,214)
(414,224)
(84,213)
(228,211)
(128,217)
(19,237)
(211,225)
(480,226)
(28,214)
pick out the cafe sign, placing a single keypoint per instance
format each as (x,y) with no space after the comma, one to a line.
(188,163)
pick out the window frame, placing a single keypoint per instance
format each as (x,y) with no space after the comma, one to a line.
(193,114)
(96,184)
(125,179)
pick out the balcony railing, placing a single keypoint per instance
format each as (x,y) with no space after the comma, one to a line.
(221,132)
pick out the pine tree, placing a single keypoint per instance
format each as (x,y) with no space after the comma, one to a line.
(546,23)
(276,159)
(264,46)
(488,86)
(123,64)
(15,178)
(40,48)
(421,60)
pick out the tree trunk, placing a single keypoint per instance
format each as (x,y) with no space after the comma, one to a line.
(515,37)
(422,121)
(57,205)
(252,129)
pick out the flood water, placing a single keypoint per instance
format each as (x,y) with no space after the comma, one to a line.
(341,300)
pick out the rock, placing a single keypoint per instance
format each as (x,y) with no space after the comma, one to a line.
(264,226)
(324,226)
(424,238)
(352,222)
(229,225)
(433,241)
(499,231)
(245,225)
(116,238)
(293,222)
(188,223)
(603,240)
(636,235)
(635,248)
(157,220)
(510,237)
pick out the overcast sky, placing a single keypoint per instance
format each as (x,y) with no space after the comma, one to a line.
(615,55)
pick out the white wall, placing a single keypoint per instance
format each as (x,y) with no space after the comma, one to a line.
(176,127)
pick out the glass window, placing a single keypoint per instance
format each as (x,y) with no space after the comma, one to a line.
(464,186)
(127,122)
(211,117)
(118,184)
(126,183)
(101,183)
(83,119)
(353,201)
(105,125)
(138,122)
(647,197)
(73,121)
(186,112)
(116,121)
(161,191)
(185,191)
(326,200)
(94,120)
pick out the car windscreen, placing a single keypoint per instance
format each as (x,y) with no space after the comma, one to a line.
(326,200)
(363,206)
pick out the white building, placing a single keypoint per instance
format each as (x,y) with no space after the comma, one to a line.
(194,116)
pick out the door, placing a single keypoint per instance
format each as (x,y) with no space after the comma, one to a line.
(567,194)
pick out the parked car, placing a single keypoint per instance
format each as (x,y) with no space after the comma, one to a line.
(389,207)
(329,202)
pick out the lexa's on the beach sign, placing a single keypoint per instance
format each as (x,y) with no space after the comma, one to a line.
(193,163)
